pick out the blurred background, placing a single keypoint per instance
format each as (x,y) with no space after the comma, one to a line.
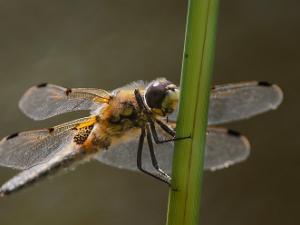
(107,44)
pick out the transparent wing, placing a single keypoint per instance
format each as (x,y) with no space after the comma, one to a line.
(64,159)
(48,100)
(232,102)
(26,149)
(223,148)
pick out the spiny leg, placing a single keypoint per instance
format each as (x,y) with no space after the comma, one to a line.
(139,158)
(167,129)
(153,157)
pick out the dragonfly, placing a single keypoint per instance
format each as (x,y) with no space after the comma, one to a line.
(131,128)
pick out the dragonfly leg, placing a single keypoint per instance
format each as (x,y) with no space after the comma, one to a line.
(141,102)
(167,129)
(139,160)
(153,157)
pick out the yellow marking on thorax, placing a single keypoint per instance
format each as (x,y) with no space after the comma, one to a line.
(87,123)
(101,100)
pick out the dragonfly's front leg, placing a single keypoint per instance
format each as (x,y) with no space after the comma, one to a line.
(167,129)
(166,178)
(141,102)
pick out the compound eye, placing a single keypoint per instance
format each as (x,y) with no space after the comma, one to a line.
(155,95)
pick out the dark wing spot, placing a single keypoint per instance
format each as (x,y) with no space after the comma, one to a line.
(264,83)
(42,85)
(51,130)
(68,91)
(233,133)
(12,136)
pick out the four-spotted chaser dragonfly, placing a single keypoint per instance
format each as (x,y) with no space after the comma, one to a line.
(132,128)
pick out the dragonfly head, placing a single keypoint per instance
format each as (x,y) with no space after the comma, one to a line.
(162,96)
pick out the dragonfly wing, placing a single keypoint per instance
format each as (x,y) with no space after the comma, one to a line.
(48,100)
(232,102)
(64,159)
(223,148)
(124,156)
(26,149)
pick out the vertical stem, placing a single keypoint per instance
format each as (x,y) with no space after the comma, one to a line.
(184,198)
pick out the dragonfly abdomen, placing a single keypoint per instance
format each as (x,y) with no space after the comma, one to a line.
(43,170)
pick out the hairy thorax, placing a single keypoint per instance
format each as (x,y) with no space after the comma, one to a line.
(116,118)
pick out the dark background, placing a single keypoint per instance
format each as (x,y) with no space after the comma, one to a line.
(107,44)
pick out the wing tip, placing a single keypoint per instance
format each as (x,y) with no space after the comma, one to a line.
(278,93)
(2,193)
(279,98)
(234,134)
(229,163)
(243,138)
(24,102)
(27,111)
(248,146)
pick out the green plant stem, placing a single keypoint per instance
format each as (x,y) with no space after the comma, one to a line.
(184,196)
